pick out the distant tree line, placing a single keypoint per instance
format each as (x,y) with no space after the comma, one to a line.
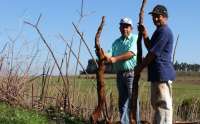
(183,66)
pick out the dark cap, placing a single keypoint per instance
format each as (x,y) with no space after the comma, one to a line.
(160,9)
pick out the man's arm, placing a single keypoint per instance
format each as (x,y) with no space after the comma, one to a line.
(147,42)
(122,57)
(149,58)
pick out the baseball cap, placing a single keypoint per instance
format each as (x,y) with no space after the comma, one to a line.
(160,9)
(126,20)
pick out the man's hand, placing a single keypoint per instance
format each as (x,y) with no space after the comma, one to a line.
(107,57)
(112,60)
(142,29)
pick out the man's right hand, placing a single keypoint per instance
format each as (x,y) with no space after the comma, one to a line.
(107,58)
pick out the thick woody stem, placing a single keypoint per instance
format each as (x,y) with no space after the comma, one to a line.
(100,78)
(134,97)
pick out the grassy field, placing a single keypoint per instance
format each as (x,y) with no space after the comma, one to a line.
(16,115)
(186,85)
(83,92)
(83,95)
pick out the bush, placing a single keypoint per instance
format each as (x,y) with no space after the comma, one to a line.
(189,109)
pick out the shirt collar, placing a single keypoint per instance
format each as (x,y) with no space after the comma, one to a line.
(127,38)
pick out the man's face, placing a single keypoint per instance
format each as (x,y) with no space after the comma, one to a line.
(159,20)
(125,29)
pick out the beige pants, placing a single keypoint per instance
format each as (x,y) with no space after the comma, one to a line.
(161,100)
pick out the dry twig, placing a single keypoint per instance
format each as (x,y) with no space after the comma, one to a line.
(66,84)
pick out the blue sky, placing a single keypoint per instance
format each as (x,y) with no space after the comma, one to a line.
(58,15)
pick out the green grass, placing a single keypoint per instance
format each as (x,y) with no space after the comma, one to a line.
(185,91)
(10,115)
(186,86)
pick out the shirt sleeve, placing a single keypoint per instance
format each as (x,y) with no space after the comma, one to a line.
(161,41)
(133,45)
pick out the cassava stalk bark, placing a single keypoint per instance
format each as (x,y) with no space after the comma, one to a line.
(134,97)
(100,79)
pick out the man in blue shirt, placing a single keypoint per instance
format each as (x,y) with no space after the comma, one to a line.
(160,68)
(123,56)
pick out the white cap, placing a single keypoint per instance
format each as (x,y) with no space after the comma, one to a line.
(126,21)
